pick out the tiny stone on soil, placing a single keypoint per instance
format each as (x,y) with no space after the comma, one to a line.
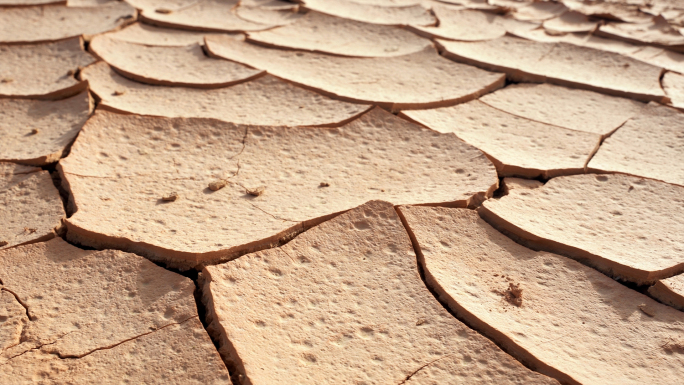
(171,197)
(324,184)
(255,192)
(217,185)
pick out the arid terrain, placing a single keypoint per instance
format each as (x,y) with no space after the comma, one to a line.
(356,192)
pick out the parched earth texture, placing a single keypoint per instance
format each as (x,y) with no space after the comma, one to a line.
(350,192)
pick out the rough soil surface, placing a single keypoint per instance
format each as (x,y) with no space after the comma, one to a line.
(38,132)
(89,316)
(420,80)
(599,219)
(344,302)
(563,64)
(413,14)
(170,66)
(517,146)
(178,353)
(650,145)
(79,301)
(574,323)
(30,207)
(43,71)
(287,105)
(140,33)
(58,22)
(124,164)
(575,109)
(318,32)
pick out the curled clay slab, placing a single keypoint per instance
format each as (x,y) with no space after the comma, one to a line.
(509,184)
(463,25)
(24,3)
(570,22)
(140,33)
(319,32)
(611,10)
(419,80)
(600,220)
(272,16)
(578,110)
(566,320)
(202,15)
(79,302)
(372,13)
(669,291)
(58,22)
(561,63)
(178,354)
(654,56)
(517,146)
(43,71)
(337,300)
(538,11)
(30,206)
(673,84)
(37,132)
(170,66)
(650,145)
(658,32)
(288,105)
(277,180)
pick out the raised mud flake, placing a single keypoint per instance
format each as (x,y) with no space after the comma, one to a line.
(80,301)
(611,10)
(600,220)
(419,80)
(202,15)
(575,324)
(650,145)
(57,22)
(30,206)
(539,10)
(570,22)
(288,105)
(563,64)
(123,164)
(574,109)
(343,301)
(319,32)
(38,132)
(180,353)
(373,13)
(140,33)
(170,66)
(272,16)
(41,70)
(673,84)
(509,184)
(517,146)
(22,3)
(463,25)
(669,291)
(657,32)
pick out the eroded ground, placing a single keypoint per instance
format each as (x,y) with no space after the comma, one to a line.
(341,191)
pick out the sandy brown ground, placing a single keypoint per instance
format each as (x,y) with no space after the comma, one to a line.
(341,192)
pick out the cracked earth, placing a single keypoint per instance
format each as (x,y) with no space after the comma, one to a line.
(341,192)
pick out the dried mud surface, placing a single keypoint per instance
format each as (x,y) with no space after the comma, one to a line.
(413,192)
